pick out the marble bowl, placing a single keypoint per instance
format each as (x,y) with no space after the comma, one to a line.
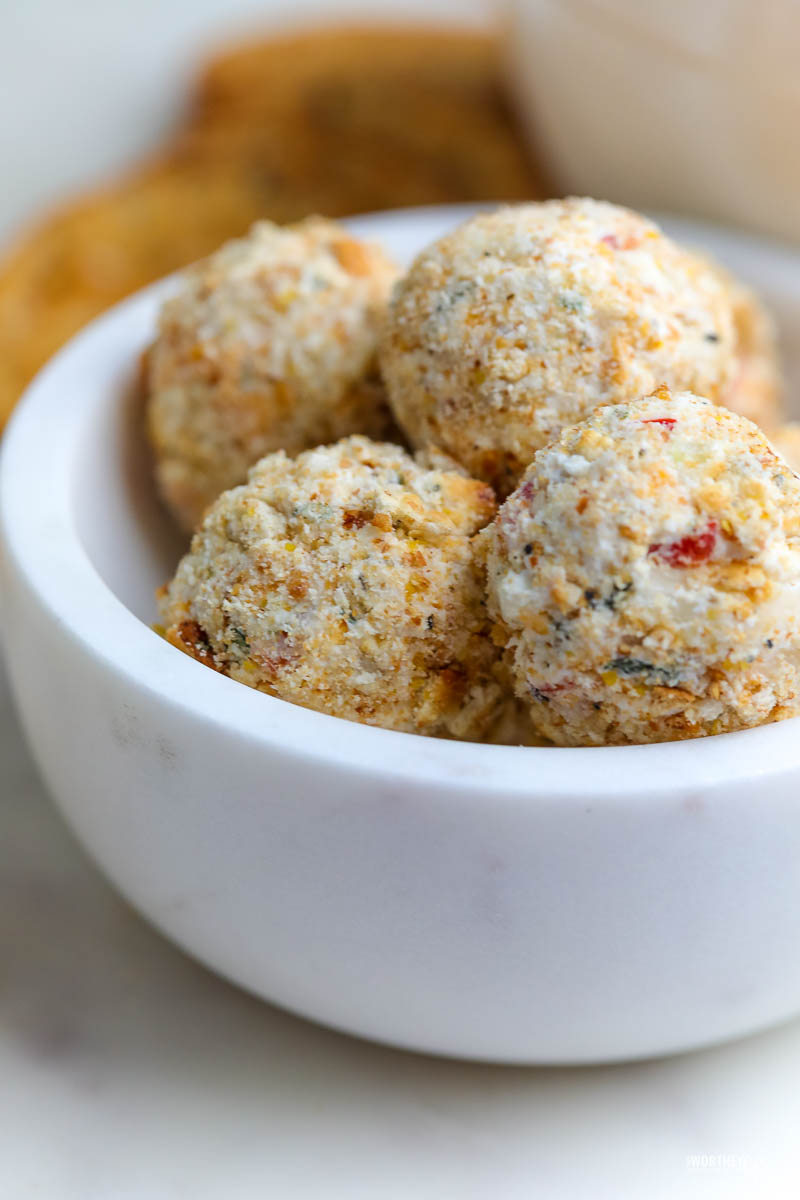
(507,904)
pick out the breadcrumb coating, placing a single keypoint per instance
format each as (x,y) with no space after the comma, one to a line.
(270,344)
(645,576)
(521,321)
(346,581)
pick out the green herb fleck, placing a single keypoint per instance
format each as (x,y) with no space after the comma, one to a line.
(668,676)
(240,640)
(571,303)
(630,666)
(618,590)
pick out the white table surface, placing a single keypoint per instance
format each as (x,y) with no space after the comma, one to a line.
(129,1073)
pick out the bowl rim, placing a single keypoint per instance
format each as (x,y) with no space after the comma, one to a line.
(41,544)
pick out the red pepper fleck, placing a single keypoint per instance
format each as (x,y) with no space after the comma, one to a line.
(629,242)
(276,653)
(667,422)
(688,551)
(526,491)
(543,691)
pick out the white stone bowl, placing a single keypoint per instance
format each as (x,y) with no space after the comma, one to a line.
(520,905)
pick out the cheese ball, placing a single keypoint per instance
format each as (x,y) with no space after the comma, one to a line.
(645,577)
(523,320)
(270,344)
(755,388)
(346,580)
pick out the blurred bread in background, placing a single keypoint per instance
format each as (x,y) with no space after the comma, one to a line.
(335,122)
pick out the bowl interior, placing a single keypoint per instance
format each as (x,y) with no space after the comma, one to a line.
(96,543)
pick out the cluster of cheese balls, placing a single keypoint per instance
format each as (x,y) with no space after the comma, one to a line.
(585,538)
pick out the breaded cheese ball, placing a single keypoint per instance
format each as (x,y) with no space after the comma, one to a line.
(523,320)
(346,580)
(755,388)
(645,576)
(270,344)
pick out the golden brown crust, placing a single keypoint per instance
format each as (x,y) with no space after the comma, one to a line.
(518,322)
(269,344)
(345,580)
(645,577)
